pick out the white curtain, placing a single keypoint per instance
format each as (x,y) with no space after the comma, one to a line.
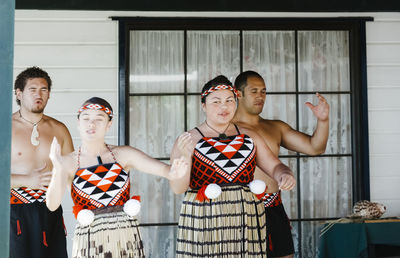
(156,61)
(156,66)
(155,122)
(324,61)
(211,53)
(272,55)
(326,183)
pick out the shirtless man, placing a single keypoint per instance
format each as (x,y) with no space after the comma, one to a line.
(276,133)
(34,230)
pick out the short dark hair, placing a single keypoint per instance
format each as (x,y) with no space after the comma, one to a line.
(97,100)
(241,79)
(220,79)
(30,73)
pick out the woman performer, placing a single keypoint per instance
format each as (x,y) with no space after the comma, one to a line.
(221,214)
(98,175)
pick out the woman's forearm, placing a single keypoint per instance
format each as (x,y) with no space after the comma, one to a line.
(55,192)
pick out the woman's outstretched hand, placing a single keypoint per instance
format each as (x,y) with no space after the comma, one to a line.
(55,154)
(178,169)
(184,144)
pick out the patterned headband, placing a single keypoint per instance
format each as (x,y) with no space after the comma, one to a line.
(96,107)
(219,87)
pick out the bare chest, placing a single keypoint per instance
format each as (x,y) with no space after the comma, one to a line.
(271,137)
(24,155)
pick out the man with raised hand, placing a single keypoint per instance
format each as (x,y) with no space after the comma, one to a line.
(35,231)
(251,97)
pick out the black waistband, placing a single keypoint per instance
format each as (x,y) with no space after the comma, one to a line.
(225,184)
(108,209)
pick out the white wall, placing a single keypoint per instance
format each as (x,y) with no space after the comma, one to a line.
(383,53)
(80,52)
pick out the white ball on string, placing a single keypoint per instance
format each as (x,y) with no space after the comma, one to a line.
(213,191)
(257,186)
(132,207)
(85,217)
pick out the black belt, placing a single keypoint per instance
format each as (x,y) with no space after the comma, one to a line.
(108,209)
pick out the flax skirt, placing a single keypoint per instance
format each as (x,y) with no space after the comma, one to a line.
(110,235)
(232,225)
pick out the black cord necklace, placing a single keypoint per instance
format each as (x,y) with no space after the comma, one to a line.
(220,135)
(35,134)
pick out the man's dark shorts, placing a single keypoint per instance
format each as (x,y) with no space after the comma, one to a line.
(36,232)
(279,239)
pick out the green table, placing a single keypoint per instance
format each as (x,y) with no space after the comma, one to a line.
(351,240)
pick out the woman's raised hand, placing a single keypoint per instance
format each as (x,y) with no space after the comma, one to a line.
(55,154)
(184,144)
(178,169)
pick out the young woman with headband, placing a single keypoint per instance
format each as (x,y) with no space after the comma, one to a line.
(221,214)
(98,177)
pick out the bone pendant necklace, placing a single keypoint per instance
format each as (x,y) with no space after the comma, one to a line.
(35,133)
(35,136)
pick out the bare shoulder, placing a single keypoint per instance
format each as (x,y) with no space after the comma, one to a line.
(15,120)
(274,124)
(196,136)
(260,134)
(195,133)
(54,123)
(15,115)
(243,125)
(129,157)
(249,132)
(121,150)
(124,152)
(58,129)
(271,122)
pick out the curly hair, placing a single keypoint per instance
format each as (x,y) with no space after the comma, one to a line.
(30,73)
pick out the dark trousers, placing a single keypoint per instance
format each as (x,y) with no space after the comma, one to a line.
(36,232)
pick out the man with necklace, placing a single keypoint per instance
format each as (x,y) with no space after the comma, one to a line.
(34,230)
(251,97)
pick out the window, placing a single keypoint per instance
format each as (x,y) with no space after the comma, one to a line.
(165,62)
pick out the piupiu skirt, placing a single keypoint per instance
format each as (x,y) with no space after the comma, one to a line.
(110,235)
(232,225)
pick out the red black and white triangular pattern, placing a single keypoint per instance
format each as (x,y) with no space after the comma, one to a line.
(27,195)
(228,154)
(100,185)
(223,161)
(272,199)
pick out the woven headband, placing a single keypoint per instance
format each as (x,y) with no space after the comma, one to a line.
(96,107)
(219,87)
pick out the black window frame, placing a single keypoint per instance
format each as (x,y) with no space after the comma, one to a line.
(358,78)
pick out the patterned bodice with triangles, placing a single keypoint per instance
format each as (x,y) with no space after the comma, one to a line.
(100,185)
(223,161)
